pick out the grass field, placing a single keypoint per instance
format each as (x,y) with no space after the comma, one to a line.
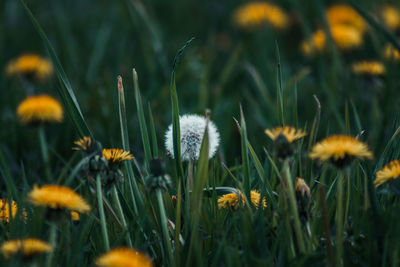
(290,161)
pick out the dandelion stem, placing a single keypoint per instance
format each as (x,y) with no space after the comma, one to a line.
(164,227)
(44,151)
(190,175)
(121,215)
(348,197)
(52,241)
(293,206)
(101,211)
(339,219)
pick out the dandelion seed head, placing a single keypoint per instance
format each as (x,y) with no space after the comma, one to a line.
(192,129)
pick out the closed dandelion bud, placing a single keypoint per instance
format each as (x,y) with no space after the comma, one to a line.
(302,189)
(157,179)
(303,197)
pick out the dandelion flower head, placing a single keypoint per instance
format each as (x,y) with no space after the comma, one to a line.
(345,37)
(40,109)
(58,197)
(192,128)
(290,133)
(30,64)
(340,150)
(26,247)
(83,144)
(231,200)
(254,14)
(124,257)
(368,68)
(391,17)
(388,173)
(341,14)
(116,155)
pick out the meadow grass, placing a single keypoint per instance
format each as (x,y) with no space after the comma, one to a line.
(125,70)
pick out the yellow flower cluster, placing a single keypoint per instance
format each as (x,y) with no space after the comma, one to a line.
(5,213)
(391,17)
(346,27)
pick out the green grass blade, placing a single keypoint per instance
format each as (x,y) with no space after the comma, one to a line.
(142,119)
(175,114)
(136,196)
(65,90)
(153,133)
(245,154)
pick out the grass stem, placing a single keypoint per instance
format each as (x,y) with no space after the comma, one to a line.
(101,212)
(164,227)
(121,215)
(293,206)
(52,241)
(45,152)
(339,220)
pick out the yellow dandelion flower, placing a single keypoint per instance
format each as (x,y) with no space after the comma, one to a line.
(231,201)
(255,14)
(83,143)
(391,17)
(116,155)
(40,109)
(345,38)
(27,247)
(388,173)
(124,257)
(5,210)
(58,197)
(391,53)
(342,14)
(302,188)
(30,64)
(340,150)
(290,133)
(368,68)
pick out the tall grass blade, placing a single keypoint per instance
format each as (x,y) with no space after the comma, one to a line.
(65,90)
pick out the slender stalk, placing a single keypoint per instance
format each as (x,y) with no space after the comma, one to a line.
(121,215)
(101,211)
(52,241)
(348,196)
(45,152)
(190,175)
(164,227)
(293,206)
(339,220)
